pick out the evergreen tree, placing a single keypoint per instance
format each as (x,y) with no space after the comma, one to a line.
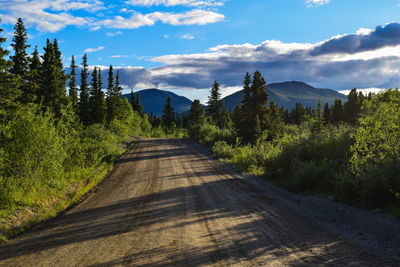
(31,91)
(246,89)
(318,123)
(133,101)
(196,114)
(352,107)
(327,113)
(73,88)
(20,58)
(114,96)
(9,83)
(252,106)
(138,106)
(337,112)
(216,110)
(97,101)
(84,106)
(53,92)
(168,118)
(274,121)
(298,113)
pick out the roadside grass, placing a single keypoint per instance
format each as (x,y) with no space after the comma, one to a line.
(37,206)
(314,164)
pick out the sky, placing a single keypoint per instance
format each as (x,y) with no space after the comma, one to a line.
(184,45)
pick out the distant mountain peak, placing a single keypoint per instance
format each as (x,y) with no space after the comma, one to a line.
(153,101)
(288,93)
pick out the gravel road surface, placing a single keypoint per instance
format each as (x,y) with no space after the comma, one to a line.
(168,203)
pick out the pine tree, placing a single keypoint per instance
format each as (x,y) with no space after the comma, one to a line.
(20,60)
(246,89)
(196,114)
(318,123)
(352,107)
(84,107)
(31,92)
(53,92)
(133,101)
(327,114)
(111,97)
(9,83)
(138,106)
(274,121)
(337,112)
(216,110)
(168,117)
(20,57)
(96,100)
(73,88)
(253,105)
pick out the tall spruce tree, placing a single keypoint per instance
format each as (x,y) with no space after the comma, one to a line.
(20,59)
(253,106)
(216,110)
(337,112)
(84,106)
(53,91)
(133,101)
(9,83)
(73,88)
(168,118)
(327,114)
(196,114)
(111,103)
(31,91)
(352,107)
(138,106)
(96,99)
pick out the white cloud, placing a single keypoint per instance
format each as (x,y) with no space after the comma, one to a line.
(311,3)
(111,34)
(118,56)
(166,36)
(365,91)
(35,13)
(91,50)
(362,60)
(195,3)
(187,36)
(54,15)
(193,17)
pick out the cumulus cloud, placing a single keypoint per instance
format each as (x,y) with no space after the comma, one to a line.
(37,13)
(187,36)
(311,3)
(365,91)
(338,69)
(91,50)
(193,17)
(54,15)
(111,34)
(364,40)
(195,3)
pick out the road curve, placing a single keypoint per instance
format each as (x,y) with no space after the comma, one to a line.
(168,203)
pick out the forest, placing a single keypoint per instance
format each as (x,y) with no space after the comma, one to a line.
(56,144)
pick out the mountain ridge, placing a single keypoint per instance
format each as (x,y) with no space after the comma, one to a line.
(288,93)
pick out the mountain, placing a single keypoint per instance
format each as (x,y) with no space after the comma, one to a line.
(288,93)
(153,100)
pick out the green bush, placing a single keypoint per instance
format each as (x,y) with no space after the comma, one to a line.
(222,150)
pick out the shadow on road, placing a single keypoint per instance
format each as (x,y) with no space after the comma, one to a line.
(278,232)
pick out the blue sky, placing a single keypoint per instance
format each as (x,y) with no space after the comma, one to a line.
(183,45)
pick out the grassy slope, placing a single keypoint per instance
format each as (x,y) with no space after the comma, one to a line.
(14,221)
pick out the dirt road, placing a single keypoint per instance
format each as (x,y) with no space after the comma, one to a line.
(169,204)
